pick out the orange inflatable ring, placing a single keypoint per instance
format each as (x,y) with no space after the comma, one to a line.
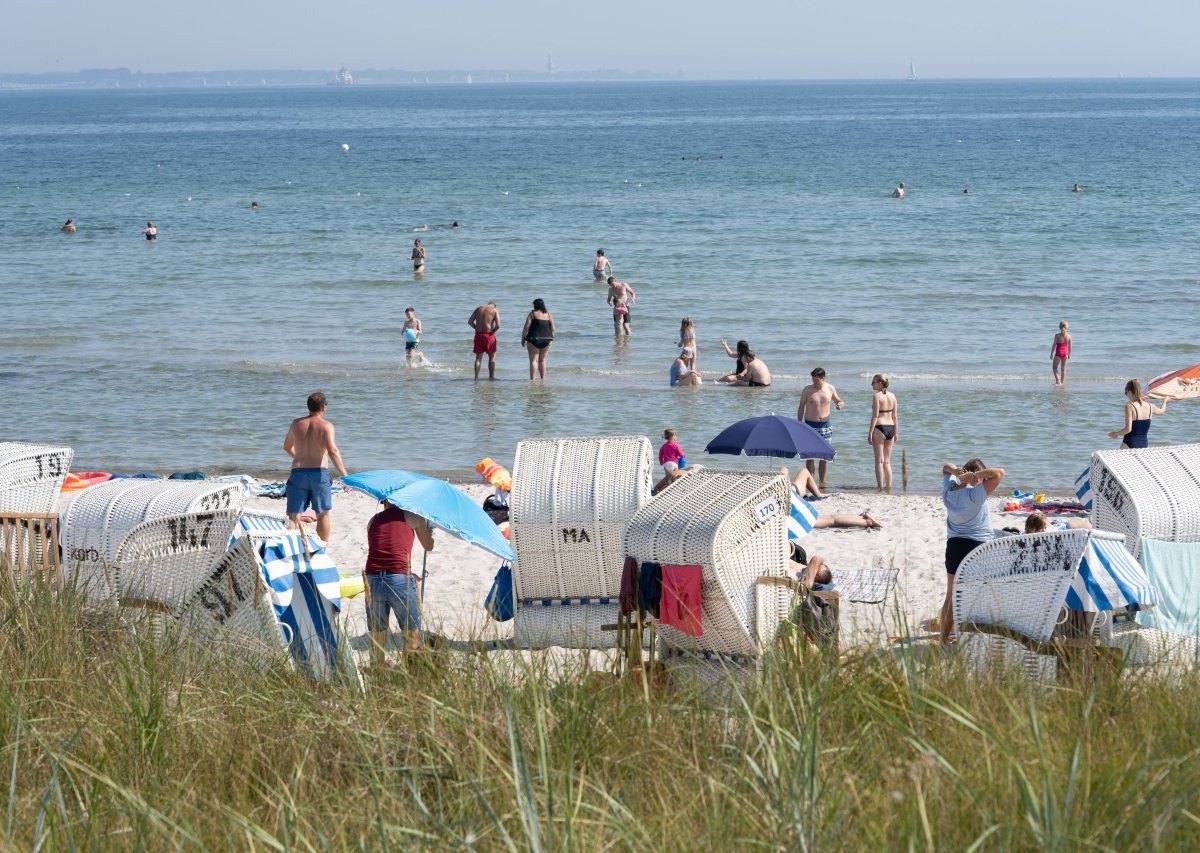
(75,482)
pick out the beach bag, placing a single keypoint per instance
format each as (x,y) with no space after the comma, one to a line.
(499,601)
(818,618)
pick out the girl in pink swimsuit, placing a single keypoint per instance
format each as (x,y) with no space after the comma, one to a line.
(1060,351)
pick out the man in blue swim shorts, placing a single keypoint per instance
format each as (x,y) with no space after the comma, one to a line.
(311,445)
(815,402)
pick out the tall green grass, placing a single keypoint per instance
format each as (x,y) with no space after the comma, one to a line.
(115,738)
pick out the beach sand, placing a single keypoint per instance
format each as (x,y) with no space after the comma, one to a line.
(459,575)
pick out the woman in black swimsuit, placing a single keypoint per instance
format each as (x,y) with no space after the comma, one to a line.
(740,354)
(884,431)
(536,337)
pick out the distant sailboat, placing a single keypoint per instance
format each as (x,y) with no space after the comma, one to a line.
(912,71)
(469,80)
(343,77)
(204,82)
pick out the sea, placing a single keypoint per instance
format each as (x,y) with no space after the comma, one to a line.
(761,210)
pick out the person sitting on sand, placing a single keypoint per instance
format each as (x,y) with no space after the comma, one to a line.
(681,374)
(390,581)
(898,192)
(965,492)
(755,374)
(1039,523)
(69,226)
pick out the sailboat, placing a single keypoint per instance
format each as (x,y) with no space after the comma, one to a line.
(912,71)
(469,80)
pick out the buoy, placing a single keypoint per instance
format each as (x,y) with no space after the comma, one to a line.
(345,147)
(494,473)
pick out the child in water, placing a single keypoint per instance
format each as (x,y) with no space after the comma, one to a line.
(1060,351)
(412,338)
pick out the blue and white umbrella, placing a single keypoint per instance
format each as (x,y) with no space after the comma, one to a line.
(802,517)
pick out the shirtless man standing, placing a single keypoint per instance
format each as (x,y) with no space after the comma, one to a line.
(621,297)
(814,411)
(485,320)
(310,443)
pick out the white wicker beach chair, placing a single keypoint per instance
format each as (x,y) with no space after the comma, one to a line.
(231,610)
(733,525)
(1153,492)
(31,476)
(98,520)
(571,501)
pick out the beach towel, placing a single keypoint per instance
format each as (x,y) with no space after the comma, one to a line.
(801,518)
(629,584)
(649,589)
(681,604)
(1083,489)
(1173,567)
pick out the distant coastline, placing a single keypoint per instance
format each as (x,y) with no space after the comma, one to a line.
(114,78)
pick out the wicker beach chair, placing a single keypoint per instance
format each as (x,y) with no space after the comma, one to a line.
(571,501)
(1153,492)
(31,476)
(733,525)
(98,520)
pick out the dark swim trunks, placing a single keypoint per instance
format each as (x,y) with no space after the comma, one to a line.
(309,487)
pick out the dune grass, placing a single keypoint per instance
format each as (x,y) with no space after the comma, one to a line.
(113,738)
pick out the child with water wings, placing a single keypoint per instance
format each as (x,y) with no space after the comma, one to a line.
(1060,351)
(671,457)
(412,338)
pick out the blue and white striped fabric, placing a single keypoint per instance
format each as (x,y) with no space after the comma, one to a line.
(251,522)
(306,596)
(1083,489)
(1110,579)
(801,518)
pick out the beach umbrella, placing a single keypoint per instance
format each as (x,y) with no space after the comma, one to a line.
(771,435)
(437,501)
(1178,385)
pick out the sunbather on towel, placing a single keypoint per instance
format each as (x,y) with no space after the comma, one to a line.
(1038,523)
(811,570)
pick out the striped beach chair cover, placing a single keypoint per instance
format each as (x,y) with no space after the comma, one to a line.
(306,594)
(802,517)
(257,523)
(1083,488)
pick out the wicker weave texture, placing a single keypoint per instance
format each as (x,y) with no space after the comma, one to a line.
(31,476)
(98,519)
(572,626)
(712,520)
(232,607)
(1019,582)
(1152,492)
(571,500)
(166,560)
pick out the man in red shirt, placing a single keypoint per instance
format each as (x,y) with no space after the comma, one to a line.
(392,585)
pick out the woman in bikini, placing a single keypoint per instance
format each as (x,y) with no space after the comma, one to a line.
(1138,412)
(687,340)
(1060,351)
(884,431)
(418,257)
(536,337)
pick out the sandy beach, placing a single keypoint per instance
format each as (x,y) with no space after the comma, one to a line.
(912,540)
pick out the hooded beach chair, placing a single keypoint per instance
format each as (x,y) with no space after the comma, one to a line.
(1153,492)
(31,477)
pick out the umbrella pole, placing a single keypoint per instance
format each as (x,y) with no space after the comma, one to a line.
(424,572)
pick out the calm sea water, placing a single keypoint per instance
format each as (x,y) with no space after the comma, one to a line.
(759,209)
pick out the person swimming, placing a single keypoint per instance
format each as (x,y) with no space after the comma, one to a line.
(69,226)
(254,205)
(150,231)
(1077,189)
(898,192)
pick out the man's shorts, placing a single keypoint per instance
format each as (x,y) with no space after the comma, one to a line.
(823,428)
(627,317)
(957,549)
(409,346)
(393,593)
(309,487)
(485,342)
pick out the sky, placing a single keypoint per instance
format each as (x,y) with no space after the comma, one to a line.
(751,39)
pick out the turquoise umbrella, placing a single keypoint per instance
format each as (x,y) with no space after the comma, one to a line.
(438,502)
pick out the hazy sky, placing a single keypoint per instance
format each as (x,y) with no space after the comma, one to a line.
(703,38)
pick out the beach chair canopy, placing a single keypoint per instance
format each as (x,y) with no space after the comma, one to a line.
(178,517)
(1153,492)
(571,500)
(734,526)
(31,476)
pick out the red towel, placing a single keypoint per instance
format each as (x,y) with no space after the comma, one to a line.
(681,602)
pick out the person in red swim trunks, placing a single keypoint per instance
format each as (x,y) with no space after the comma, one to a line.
(485,320)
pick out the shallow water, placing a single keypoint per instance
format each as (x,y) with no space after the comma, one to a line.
(759,209)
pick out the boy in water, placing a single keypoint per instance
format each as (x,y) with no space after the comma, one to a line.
(412,337)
